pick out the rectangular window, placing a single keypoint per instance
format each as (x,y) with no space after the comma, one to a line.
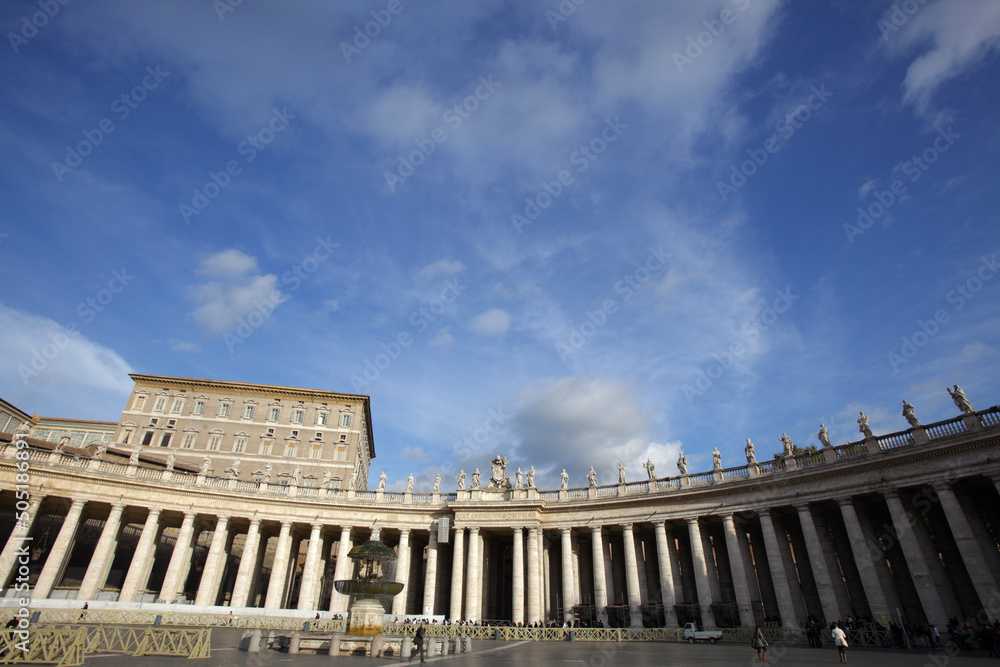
(178,404)
(345,421)
(161,402)
(171,423)
(213,442)
(270,431)
(319,436)
(343,438)
(224,409)
(341,453)
(297,416)
(295,434)
(165,440)
(321,418)
(240,445)
(126,436)
(140,402)
(199,408)
(188,441)
(265,447)
(316,451)
(248,411)
(290,449)
(148,438)
(272,414)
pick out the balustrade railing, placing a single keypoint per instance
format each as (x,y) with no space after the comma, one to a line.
(945,429)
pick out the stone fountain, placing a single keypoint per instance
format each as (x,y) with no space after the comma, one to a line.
(371,588)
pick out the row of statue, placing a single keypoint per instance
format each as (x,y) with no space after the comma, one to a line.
(499,481)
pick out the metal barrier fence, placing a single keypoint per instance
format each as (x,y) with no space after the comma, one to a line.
(58,646)
(177,642)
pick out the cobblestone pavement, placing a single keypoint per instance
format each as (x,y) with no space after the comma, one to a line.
(573,654)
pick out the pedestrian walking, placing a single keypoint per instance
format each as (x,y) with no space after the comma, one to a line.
(418,642)
(759,643)
(840,640)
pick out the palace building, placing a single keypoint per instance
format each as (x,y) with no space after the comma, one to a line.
(225,496)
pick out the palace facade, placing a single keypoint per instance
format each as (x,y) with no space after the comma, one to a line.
(902,524)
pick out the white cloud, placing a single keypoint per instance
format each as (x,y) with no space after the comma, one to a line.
(577,423)
(42,363)
(443,338)
(183,346)
(494,322)
(962,32)
(442,267)
(329,306)
(235,293)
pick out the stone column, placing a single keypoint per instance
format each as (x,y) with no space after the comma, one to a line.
(567,575)
(701,574)
(430,576)
(58,554)
(341,571)
(244,575)
(472,582)
(517,578)
(457,574)
(930,599)
(178,558)
(666,574)
(279,568)
(546,591)
(402,571)
(17,540)
(632,577)
(534,575)
(104,553)
(144,551)
(739,573)
(600,588)
(863,560)
(310,570)
(208,587)
(968,546)
(817,563)
(772,548)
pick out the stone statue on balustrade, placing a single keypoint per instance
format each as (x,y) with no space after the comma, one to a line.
(499,479)
(592,476)
(716,459)
(751,457)
(100,451)
(564,480)
(437,482)
(475,478)
(682,464)
(206,466)
(461,480)
(133,458)
(233,471)
(531,477)
(352,483)
(409,483)
(961,401)
(621,473)
(327,478)
(824,436)
(787,448)
(518,478)
(863,426)
(171,459)
(650,468)
(296,473)
(268,471)
(382,479)
(910,416)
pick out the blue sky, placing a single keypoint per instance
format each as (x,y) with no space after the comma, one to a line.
(573,234)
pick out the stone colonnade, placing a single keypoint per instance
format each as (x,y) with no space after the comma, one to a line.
(929,549)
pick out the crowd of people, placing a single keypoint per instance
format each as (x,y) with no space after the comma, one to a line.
(965,636)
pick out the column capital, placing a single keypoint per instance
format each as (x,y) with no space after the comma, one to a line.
(565,531)
(254,521)
(473,530)
(627,527)
(890,494)
(404,533)
(942,485)
(764,512)
(596,530)
(692,522)
(803,507)
(843,502)
(728,517)
(316,525)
